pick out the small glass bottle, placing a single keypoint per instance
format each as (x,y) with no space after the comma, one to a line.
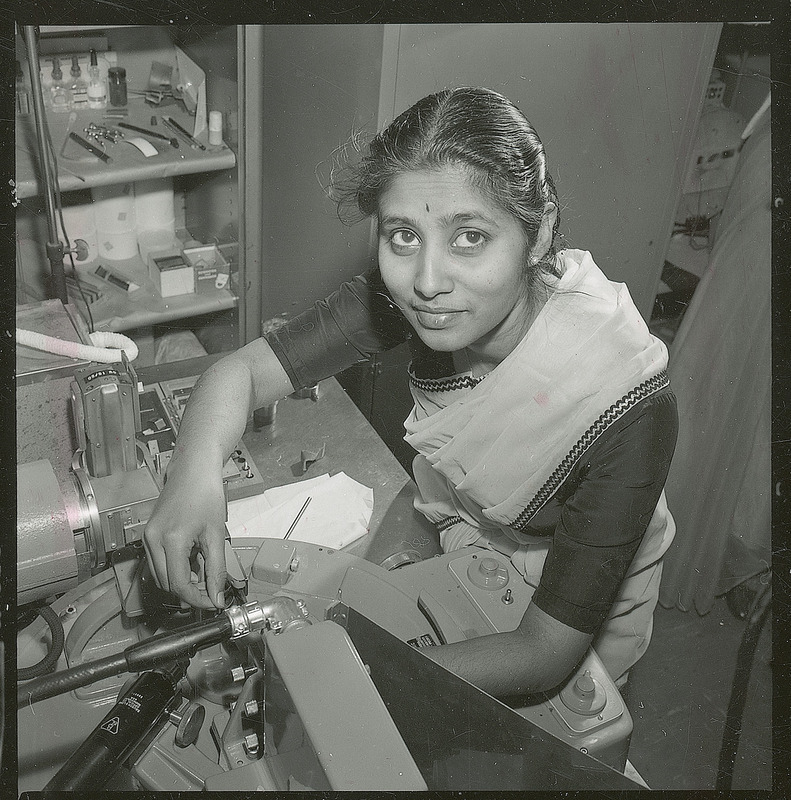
(58,92)
(116,78)
(79,87)
(97,86)
(22,94)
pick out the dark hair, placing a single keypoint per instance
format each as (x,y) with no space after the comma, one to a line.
(477,129)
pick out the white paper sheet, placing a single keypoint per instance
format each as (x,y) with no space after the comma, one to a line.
(339,511)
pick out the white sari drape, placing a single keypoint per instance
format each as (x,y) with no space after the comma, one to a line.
(498,441)
(492,451)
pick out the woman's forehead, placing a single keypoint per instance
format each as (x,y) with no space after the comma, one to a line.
(440,190)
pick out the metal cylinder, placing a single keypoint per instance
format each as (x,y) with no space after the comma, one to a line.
(54,245)
(46,553)
(146,702)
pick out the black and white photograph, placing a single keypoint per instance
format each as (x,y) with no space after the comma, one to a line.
(393,407)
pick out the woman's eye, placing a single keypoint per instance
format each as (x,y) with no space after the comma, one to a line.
(404,239)
(469,240)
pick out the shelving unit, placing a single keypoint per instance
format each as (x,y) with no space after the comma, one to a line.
(209,174)
(117,310)
(78,169)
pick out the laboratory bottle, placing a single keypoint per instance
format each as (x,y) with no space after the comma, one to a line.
(79,86)
(116,79)
(58,92)
(97,86)
(22,94)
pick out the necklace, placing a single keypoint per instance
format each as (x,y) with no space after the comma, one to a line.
(478,369)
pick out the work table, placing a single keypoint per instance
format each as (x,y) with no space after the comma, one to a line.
(352,446)
(332,421)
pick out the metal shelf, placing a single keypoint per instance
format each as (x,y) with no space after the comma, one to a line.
(78,169)
(117,310)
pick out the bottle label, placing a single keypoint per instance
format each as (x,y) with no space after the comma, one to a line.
(79,95)
(22,103)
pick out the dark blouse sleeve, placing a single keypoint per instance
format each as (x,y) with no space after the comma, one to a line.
(348,327)
(613,495)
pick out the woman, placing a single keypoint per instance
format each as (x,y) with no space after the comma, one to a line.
(543,418)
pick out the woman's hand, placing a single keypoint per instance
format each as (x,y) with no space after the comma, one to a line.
(188,517)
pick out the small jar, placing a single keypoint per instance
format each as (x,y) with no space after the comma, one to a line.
(215,127)
(116,78)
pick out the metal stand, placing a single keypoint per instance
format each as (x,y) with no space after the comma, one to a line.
(759,613)
(55,247)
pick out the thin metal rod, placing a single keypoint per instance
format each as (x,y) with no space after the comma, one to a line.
(297,518)
(54,245)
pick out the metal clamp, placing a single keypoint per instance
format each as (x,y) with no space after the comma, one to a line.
(246,619)
(277,614)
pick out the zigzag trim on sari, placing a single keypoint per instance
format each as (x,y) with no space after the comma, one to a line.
(614,412)
(445,384)
(447,523)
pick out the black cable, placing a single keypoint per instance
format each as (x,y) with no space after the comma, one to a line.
(164,648)
(741,677)
(61,682)
(47,664)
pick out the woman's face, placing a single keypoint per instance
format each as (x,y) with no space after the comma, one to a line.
(454,263)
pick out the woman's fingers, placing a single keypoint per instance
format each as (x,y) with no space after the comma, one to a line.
(157,561)
(189,516)
(169,560)
(178,547)
(213,548)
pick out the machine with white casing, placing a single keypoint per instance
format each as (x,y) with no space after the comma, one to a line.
(327,690)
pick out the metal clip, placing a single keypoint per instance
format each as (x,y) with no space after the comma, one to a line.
(278,614)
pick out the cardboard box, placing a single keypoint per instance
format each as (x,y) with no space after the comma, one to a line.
(209,265)
(171,274)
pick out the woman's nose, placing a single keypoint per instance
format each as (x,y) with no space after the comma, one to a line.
(431,275)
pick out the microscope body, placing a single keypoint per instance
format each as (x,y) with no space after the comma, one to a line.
(68,529)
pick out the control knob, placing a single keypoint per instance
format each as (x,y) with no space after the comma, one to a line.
(488,573)
(584,695)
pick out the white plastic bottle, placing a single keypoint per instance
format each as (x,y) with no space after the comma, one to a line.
(97,86)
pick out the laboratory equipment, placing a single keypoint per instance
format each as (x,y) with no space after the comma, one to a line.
(116,79)
(60,101)
(79,87)
(340,704)
(70,527)
(97,85)
(335,694)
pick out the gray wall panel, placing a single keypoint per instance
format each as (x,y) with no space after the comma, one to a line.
(616,106)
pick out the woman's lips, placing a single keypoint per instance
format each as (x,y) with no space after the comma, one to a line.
(436,318)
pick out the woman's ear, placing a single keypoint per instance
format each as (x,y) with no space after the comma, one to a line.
(544,238)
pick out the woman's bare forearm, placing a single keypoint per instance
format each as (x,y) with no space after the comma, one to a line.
(190,511)
(536,657)
(222,401)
